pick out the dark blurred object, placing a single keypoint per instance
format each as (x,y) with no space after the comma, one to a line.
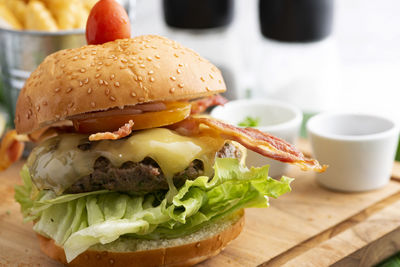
(296,20)
(198,14)
(203,25)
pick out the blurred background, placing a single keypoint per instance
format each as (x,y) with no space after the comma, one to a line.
(317,55)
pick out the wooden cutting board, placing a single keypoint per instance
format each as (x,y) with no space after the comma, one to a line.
(310,226)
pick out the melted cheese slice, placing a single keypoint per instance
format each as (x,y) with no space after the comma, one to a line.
(58,163)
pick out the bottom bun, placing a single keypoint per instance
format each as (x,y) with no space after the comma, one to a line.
(192,249)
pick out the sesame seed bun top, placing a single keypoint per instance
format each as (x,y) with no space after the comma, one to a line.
(115,74)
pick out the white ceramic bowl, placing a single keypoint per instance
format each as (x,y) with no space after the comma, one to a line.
(277,118)
(359,149)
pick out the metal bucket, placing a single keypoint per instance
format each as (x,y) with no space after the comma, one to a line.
(22,51)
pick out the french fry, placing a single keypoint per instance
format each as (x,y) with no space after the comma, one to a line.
(88,4)
(18,7)
(38,17)
(63,11)
(8,20)
(81,16)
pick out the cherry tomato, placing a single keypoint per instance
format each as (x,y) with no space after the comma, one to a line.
(176,111)
(107,22)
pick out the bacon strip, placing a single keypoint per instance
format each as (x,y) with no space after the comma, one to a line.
(253,139)
(11,148)
(200,105)
(120,133)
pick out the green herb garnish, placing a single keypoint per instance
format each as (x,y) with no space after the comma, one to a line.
(249,122)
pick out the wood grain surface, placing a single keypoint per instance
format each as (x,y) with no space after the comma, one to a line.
(311,226)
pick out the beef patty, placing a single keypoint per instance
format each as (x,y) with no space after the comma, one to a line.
(140,177)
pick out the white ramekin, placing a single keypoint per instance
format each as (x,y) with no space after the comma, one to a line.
(359,149)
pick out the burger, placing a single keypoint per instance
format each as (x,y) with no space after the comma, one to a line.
(127,172)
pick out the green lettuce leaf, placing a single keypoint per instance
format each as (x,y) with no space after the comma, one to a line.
(79,221)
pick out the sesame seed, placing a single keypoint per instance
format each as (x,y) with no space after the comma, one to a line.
(180,65)
(37,107)
(101,82)
(105,82)
(94,52)
(30,112)
(97,75)
(83,70)
(62,65)
(57,116)
(147,45)
(150,72)
(123,60)
(108,64)
(172,90)
(80,84)
(83,57)
(202,79)
(141,99)
(133,94)
(27,116)
(112,76)
(69,89)
(70,104)
(149,58)
(152,79)
(100,63)
(179,71)
(142,66)
(176,55)
(219,81)
(116,84)
(207,88)
(173,78)
(86,81)
(140,78)
(75,58)
(107,91)
(98,68)
(112,98)
(140,58)
(93,104)
(197,245)
(135,77)
(45,103)
(157,56)
(122,67)
(57,89)
(212,77)
(89,90)
(181,85)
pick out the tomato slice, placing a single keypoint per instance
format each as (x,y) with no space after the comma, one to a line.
(174,112)
(107,21)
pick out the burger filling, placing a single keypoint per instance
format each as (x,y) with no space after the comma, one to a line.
(152,185)
(141,177)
